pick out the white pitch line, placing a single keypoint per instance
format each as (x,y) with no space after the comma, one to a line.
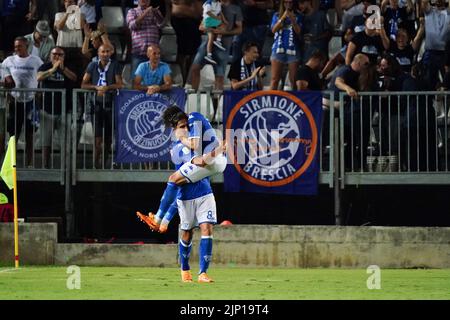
(7,270)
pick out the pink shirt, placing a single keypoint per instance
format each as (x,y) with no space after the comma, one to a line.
(146,33)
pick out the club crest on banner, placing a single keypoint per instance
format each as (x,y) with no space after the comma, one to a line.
(274,137)
(141,134)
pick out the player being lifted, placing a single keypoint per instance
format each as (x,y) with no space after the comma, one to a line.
(207,161)
(197,208)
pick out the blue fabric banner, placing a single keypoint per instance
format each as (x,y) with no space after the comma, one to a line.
(273,141)
(140,132)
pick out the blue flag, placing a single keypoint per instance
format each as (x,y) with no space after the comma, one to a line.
(273,141)
(140,134)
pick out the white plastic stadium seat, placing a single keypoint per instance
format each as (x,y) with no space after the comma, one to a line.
(115,40)
(126,76)
(177,77)
(334,46)
(207,77)
(113,19)
(226,80)
(199,102)
(267,48)
(332,17)
(268,77)
(168,45)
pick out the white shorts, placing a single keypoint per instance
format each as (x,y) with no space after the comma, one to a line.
(197,211)
(194,173)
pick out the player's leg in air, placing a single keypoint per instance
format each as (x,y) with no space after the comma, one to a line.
(190,172)
(194,171)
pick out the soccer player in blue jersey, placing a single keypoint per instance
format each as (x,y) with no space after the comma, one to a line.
(196,133)
(197,208)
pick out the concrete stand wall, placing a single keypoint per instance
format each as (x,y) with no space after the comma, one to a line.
(248,245)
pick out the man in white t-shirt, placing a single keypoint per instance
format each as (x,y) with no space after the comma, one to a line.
(21,68)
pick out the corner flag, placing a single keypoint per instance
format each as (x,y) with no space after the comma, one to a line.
(9,175)
(9,163)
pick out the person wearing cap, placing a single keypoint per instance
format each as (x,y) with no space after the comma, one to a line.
(41,42)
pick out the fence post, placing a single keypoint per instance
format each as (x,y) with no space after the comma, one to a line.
(68,208)
(337,174)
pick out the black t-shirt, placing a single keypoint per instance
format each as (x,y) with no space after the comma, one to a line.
(236,73)
(393,19)
(371,46)
(405,56)
(358,24)
(55,81)
(307,74)
(350,78)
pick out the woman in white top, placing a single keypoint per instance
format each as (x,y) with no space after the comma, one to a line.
(70,26)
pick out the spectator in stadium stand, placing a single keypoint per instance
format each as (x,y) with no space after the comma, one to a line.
(47,9)
(69,25)
(286,26)
(405,50)
(153,76)
(308,75)
(419,124)
(104,76)
(356,25)
(87,8)
(389,78)
(394,16)
(41,42)
(20,71)
(233,15)
(316,31)
(145,23)
(255,27)
(437,32)
(372,42)
(346,79)
(186,16)
(93,40)
(53,75)
(16,20)
(352,8)
(247,73)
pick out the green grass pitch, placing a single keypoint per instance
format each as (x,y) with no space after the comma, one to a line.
(231,283)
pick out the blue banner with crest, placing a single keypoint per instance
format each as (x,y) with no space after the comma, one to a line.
(273,141)
(140,132)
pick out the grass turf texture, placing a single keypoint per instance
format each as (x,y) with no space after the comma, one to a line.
(234,283)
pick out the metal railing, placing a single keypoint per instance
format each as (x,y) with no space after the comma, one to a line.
(395,138)
(37,117)
(385,138)
(208,102)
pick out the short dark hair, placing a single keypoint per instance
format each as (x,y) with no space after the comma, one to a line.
(247,45)
(58,47)
(172,115)
(21,38)
(317,54)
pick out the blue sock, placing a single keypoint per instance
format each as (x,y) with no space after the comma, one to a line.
(205,252)
(173,210)
(169,196)
(185,251)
